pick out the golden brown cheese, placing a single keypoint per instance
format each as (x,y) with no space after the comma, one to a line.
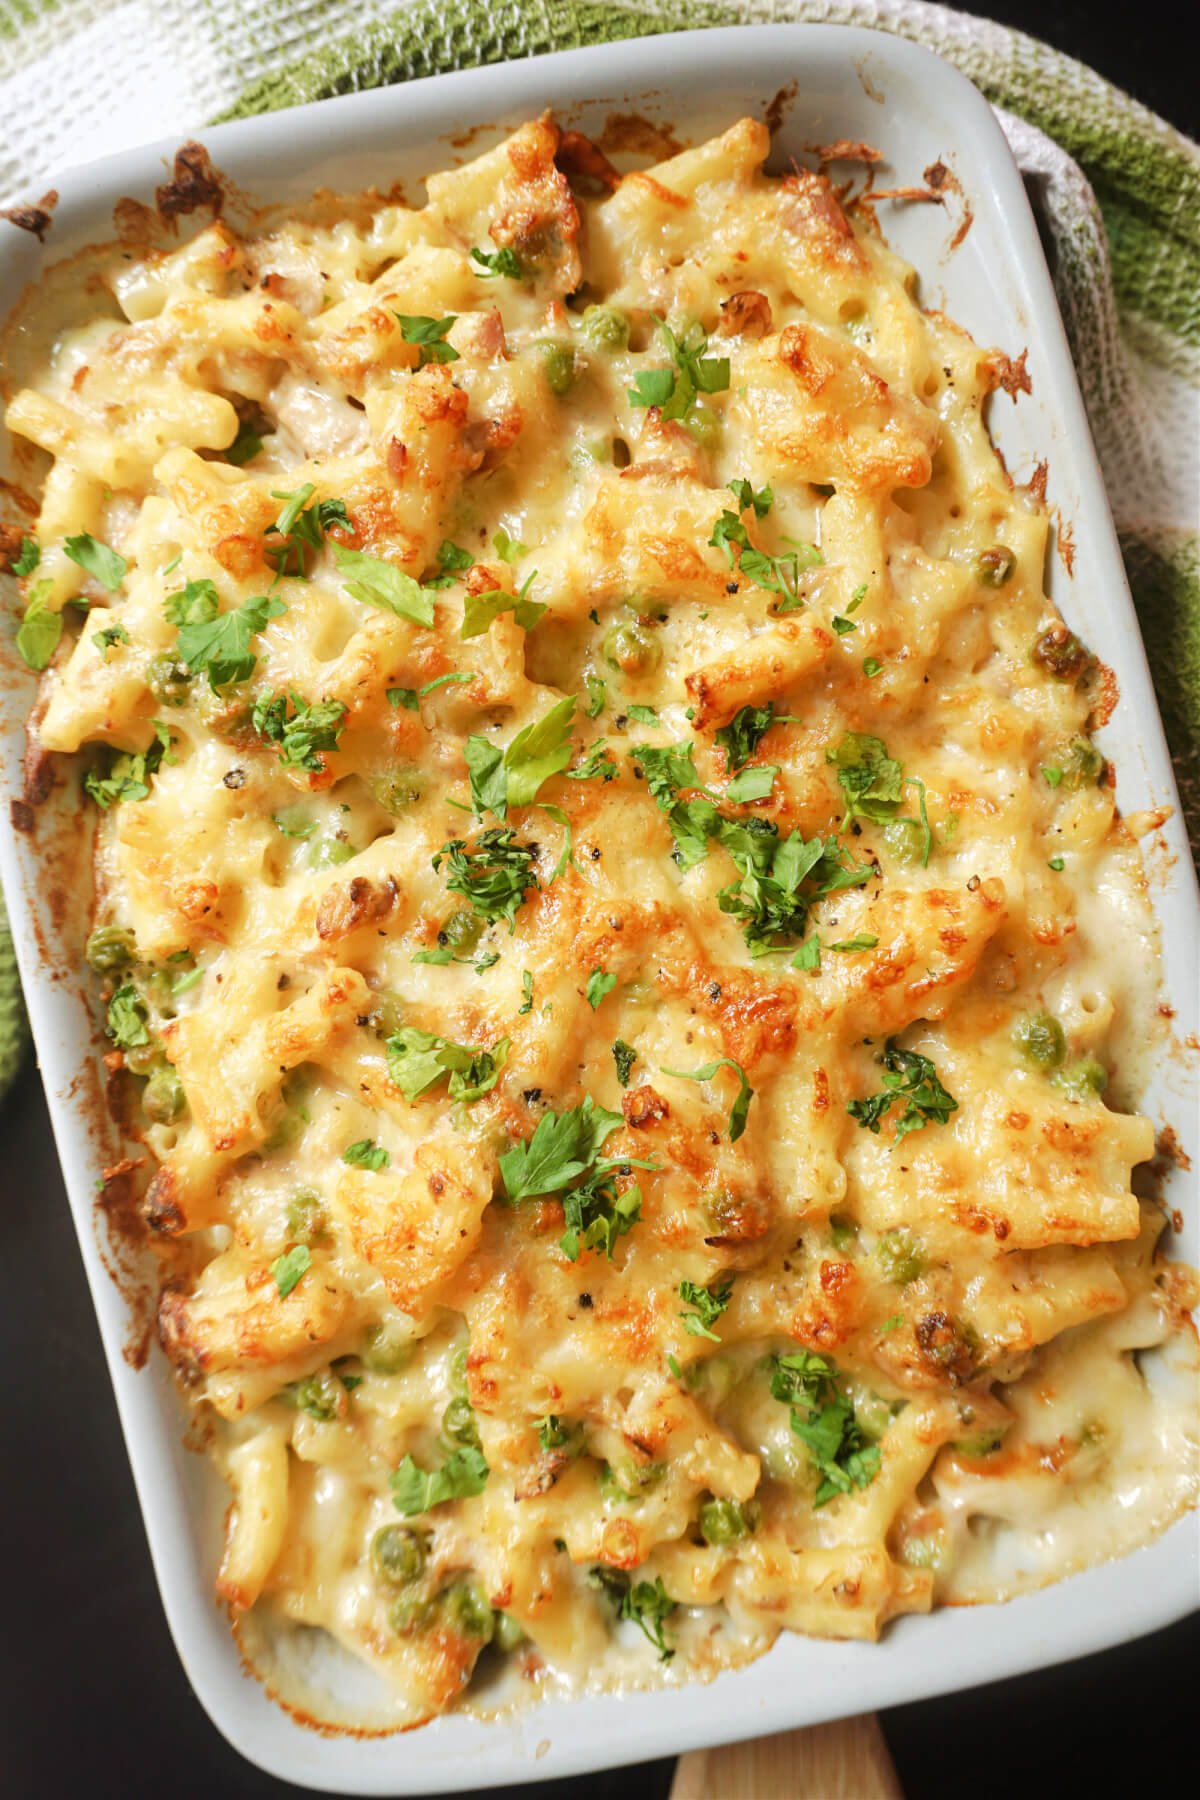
(688,454)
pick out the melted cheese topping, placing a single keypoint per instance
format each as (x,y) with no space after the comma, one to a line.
(994,1365)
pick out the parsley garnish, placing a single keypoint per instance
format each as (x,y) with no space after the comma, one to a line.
(646,1603)
(415,1490)
(512,777)
(129,773)
(776,574)
(429,337)
(509,549)
(599,983)
(744,733)
(707,1307)
(1057,864)
(418,1060)
(554,1433)
(300,529)
(112,634)
(667,768)
(564,1147)
(452,560)
(743,492)
(382,584)
(624,1055)
(366,1154)
(872,666)
(864,941)
(597,694)
(526,1005)
(218,643)
(753,783)
(498,262)
(675,390)
(28,557)
(97,560)
(245,446)
(912,1078)
(780,878)
(874,782)
(741,1106)
(302,736)
(41,628)
(479,610)
(823,1419)
(125,1020)
(288,1268)
(493,873)
(808,956)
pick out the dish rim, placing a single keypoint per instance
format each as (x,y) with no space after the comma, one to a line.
(1145,1590)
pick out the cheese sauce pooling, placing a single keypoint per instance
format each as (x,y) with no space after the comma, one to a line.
(613,920)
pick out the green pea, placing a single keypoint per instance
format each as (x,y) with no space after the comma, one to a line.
(467,1611)
(321,1396)
(1083,765)
(397,790)
(984,1443)
(630,647)
(1040,1039)
(1082,1080)
(629,1480)
(385,1351)
(163,1098)
(1060,653)
(168,680)
(307,1220)
(703,426)
(507,1635)
(926,1552)
(408,1613)
(558,366)
(458,1422)
(326,853)
(904,840)
(462,931)
(727,1521)
(398,1553)
(144,1059)
(607,326)
(995,567)
(110,947)
(899,1257)
(388,1013)
(843,1232)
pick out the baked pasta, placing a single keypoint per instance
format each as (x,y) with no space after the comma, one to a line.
(607,908)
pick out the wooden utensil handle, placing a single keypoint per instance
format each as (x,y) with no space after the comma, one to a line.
(847,1760)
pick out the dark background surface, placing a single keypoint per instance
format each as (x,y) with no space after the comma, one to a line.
(94,1699)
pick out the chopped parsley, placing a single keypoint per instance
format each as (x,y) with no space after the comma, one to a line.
(912,1078)
(304,734)
(1057,864)
(97,560)
(823,1419)
(597,695)
(429,336)
(299,531)
(28,557)
(744,493)
(415,1490)
(776,574)
(366,1154)
(419,1060)
(213,642)
(740,1109)
(41,628)
(780,878)
(504,262)
(674,391)
(872,666)
(288,1268)
(480,610)
(666,768)
(378,583)
(874,783)
(864,941)
(645,1603)
(644,715)
(624,1056)
(509,549)
(526,1005)
(752,783)
(452,559)
(129,772)
(599,983)
(706,1307)
(493,874)
(245,446)
(512,777)
(104,640)
(808,956)
(744,733)
(564,1147)
(125,1020)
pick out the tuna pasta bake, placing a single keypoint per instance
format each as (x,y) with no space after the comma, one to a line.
(622,971)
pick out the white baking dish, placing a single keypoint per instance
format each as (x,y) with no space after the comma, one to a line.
(918,110)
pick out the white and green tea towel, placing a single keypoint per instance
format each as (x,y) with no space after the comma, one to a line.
(1117,188)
